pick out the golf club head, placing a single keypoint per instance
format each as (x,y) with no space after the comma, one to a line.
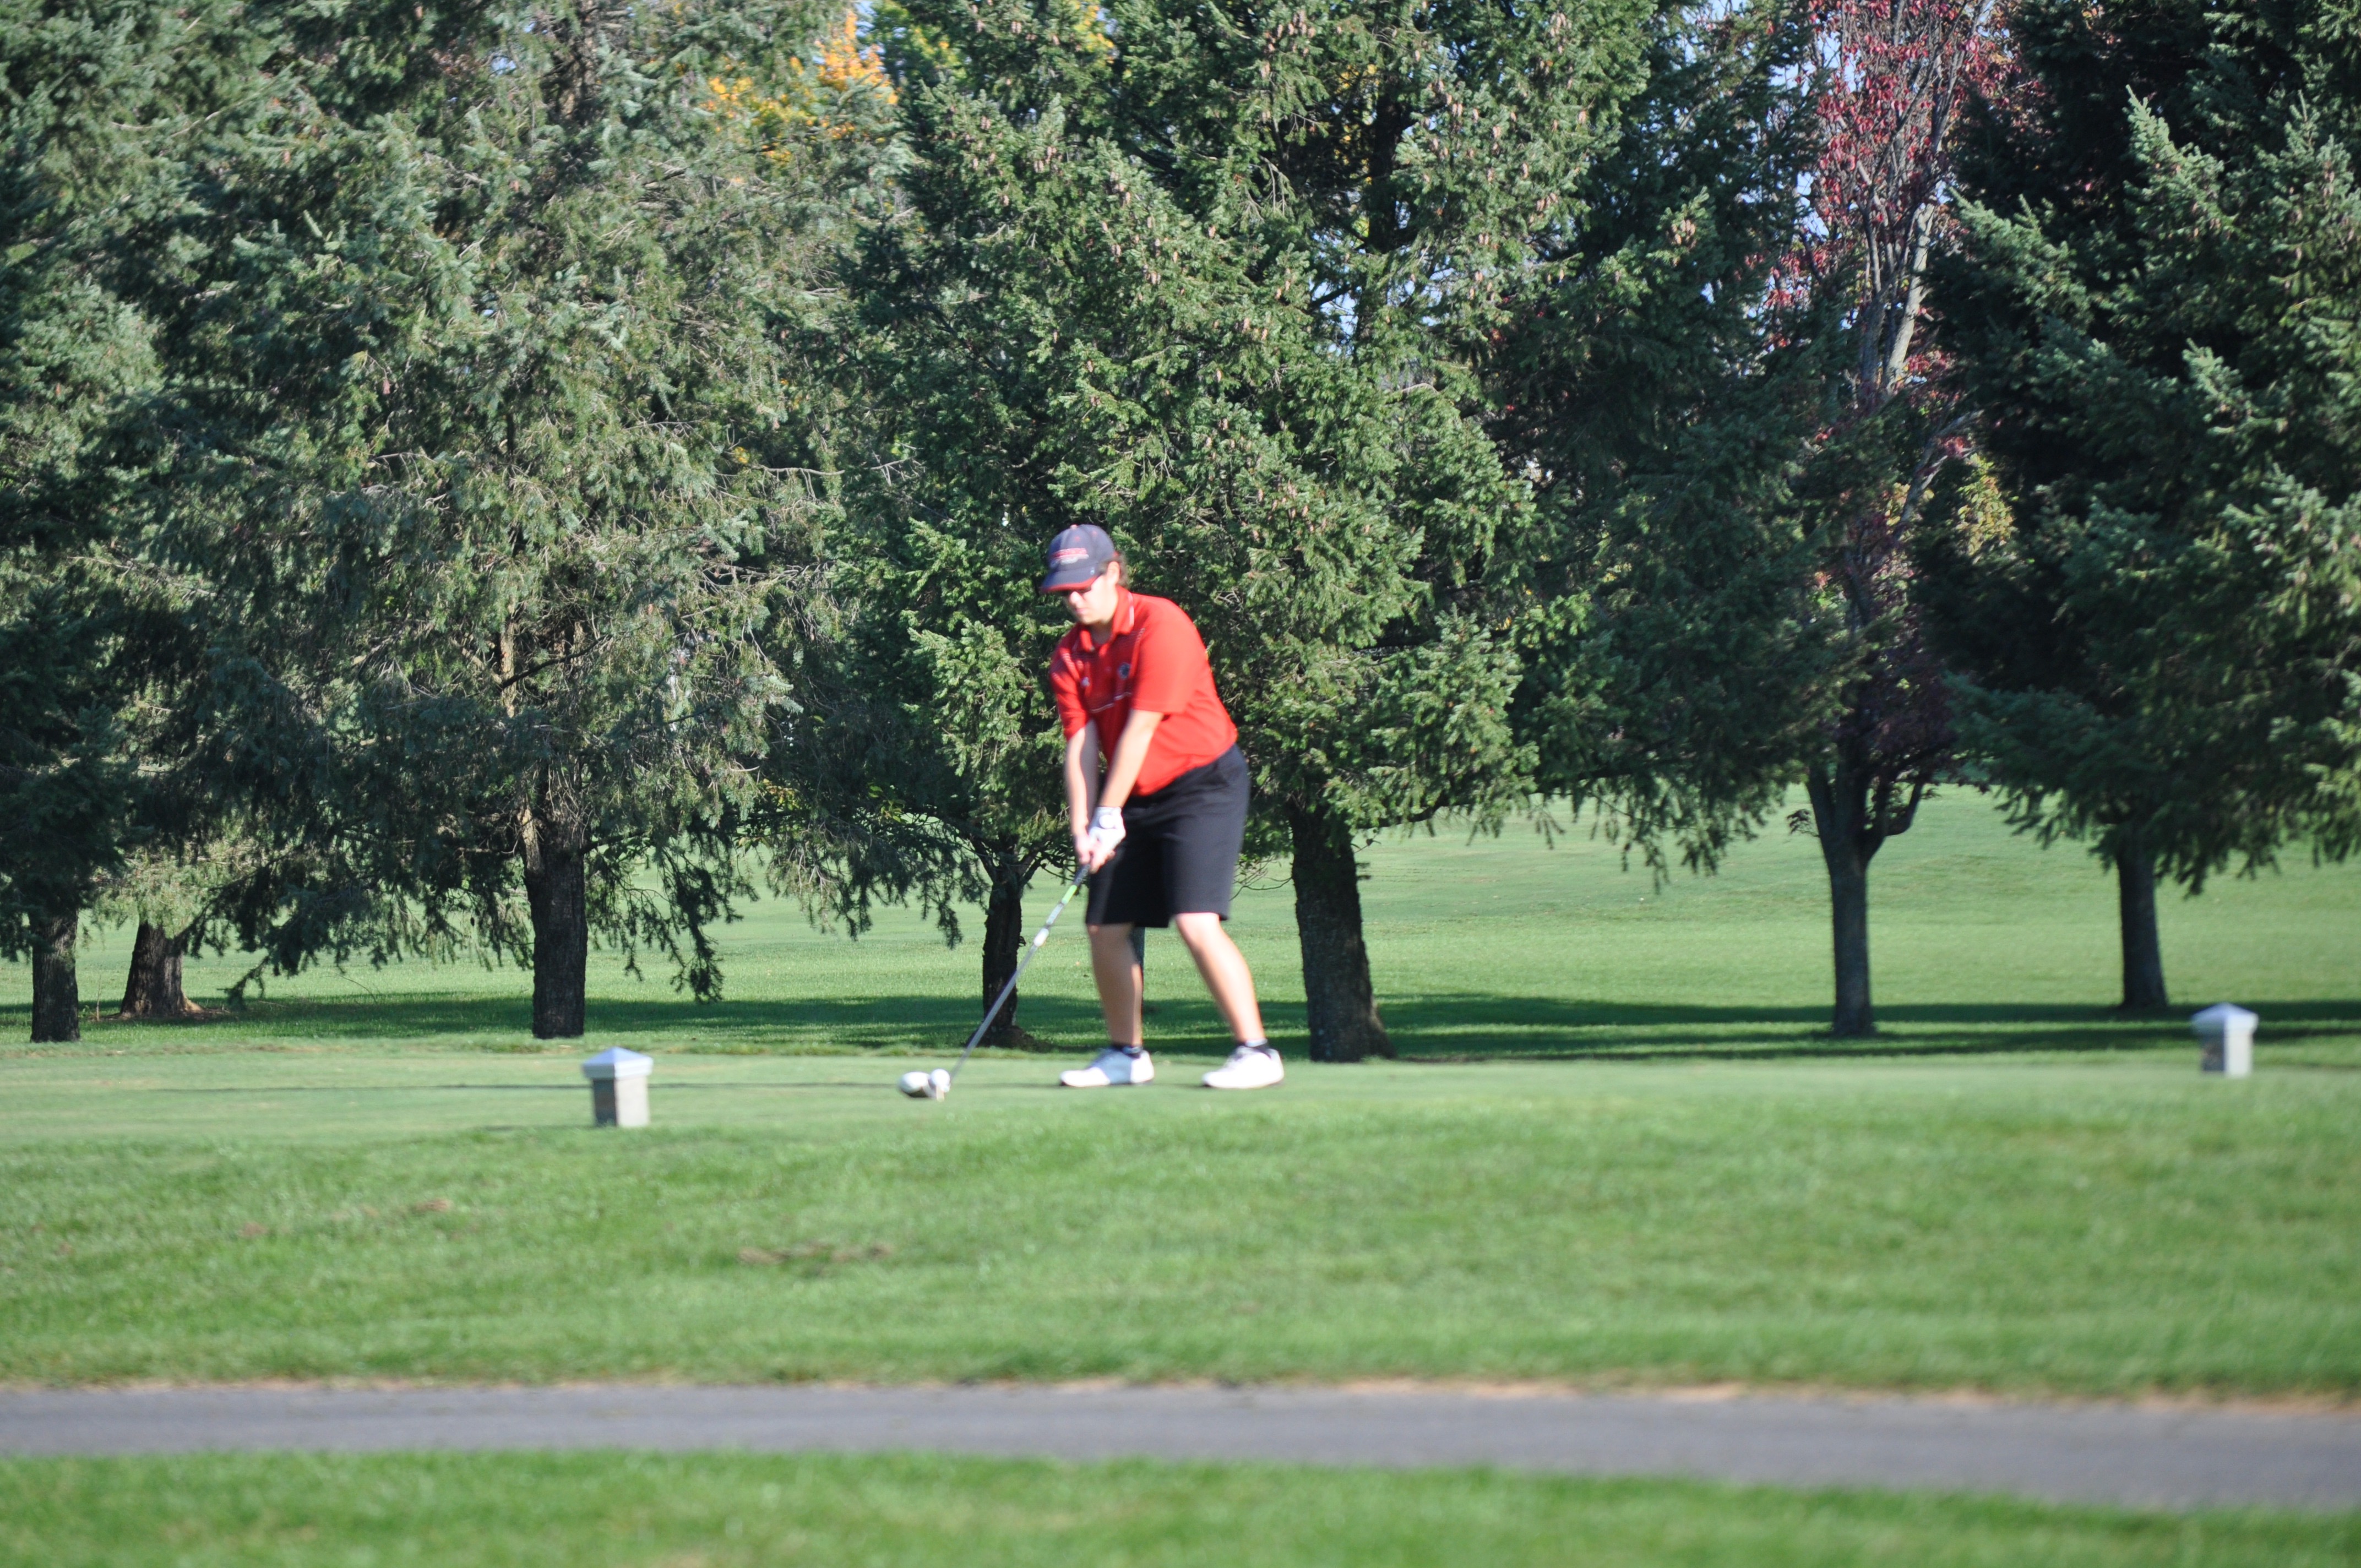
(919,1086)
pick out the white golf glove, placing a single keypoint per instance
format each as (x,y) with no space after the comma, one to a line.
(1106,828)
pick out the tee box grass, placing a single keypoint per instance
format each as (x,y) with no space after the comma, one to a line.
(2093,1224)
(2021,1193)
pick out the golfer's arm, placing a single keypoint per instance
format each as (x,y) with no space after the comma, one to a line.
(1082,764)
(1130,754)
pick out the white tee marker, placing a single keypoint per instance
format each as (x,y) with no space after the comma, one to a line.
(2228,1031)
(619,1087)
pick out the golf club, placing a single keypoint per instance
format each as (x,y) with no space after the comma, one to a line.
(935,1085)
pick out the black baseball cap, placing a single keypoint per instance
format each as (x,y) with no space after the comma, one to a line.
(1077,557)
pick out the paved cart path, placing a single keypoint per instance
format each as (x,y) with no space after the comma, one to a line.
(2170,1458)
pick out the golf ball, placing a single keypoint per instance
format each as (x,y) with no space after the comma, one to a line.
(939,1083)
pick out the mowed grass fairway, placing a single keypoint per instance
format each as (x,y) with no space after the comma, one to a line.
(723,1510)
(2095,1225)
(290,1196)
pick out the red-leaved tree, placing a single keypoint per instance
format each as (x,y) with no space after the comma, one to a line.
(1890,80)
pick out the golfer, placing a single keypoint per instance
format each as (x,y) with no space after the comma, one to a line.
(1160,829)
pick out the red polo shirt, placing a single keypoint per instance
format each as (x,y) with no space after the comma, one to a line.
(1153,660)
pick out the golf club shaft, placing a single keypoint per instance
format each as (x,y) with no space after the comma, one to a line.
(1081,876)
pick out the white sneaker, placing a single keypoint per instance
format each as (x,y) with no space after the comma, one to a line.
(1249,1067)
(1114,1067)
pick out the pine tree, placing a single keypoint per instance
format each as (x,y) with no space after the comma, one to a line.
(925,763)
(70,792)
(171,892)
(919,764)
(487,431)
(1212,280)
(96,102)
(1659,386)
(2155,587)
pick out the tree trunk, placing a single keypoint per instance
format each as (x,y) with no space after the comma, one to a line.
(1839,813)
(57,995)
(1004,944)
(556,890)
(154,989)
(1337,1000)
(2136,901)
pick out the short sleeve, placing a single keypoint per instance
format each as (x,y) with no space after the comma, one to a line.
(1066,691)
(1168,663)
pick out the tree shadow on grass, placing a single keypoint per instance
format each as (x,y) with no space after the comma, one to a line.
(571,1088)
(500,1022)
(1477,1026)
(1434,1026)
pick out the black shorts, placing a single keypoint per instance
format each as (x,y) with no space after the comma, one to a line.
(1180,849)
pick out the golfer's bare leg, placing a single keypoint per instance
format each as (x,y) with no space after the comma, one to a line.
(1225,972)
(1117,969)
